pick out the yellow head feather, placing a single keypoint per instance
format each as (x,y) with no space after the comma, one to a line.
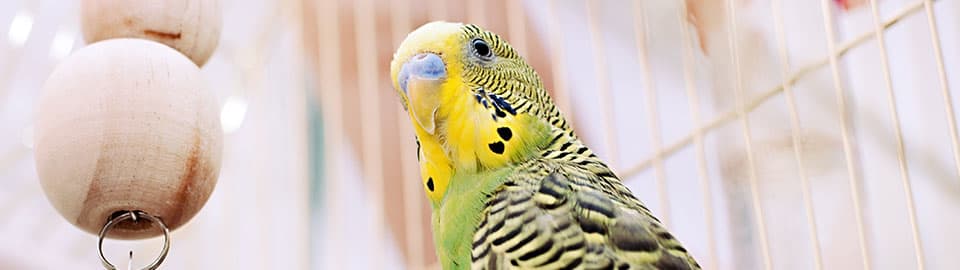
(474,103)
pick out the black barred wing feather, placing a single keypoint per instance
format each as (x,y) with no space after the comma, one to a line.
(564,220)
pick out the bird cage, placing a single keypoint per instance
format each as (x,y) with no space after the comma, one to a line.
(765,134)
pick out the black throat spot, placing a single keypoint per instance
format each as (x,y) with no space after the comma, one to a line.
(497,147)
(505,133)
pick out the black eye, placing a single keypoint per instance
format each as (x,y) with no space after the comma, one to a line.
(481,48)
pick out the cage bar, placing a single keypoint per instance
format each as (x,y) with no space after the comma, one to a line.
(694,104)
(795,128)
(755,102)
(640,30)
(747,138)
(555,35)
(603,85)
(845,133)
(331,96)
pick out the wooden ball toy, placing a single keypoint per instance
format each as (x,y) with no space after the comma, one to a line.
(190,26)
(125,125)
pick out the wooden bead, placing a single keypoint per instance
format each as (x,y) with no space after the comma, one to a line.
(125,124)
(190,26)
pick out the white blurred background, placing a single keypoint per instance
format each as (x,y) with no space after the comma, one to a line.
(699,107)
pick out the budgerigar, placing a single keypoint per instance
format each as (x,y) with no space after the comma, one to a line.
(511,185)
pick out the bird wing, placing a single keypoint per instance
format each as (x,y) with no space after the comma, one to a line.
(570,218)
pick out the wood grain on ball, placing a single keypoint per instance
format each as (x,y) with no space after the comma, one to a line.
(125,124)
(190,26)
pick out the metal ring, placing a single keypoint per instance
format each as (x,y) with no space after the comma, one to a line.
(134,215)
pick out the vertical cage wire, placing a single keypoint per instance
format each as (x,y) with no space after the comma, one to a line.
(437,9)
(898,134)
(951,123)
(372,148)
(795,128)
(476,12)
(603,84)
(747,138)
(944,85)
(517,26)
(693,101)
(641,30)
(556,38)
(328,27)
(853,178)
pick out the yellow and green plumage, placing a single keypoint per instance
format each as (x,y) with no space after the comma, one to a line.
(511,185)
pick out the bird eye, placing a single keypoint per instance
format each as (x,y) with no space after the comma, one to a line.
(481,48)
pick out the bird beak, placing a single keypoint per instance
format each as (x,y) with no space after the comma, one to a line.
(421,79)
